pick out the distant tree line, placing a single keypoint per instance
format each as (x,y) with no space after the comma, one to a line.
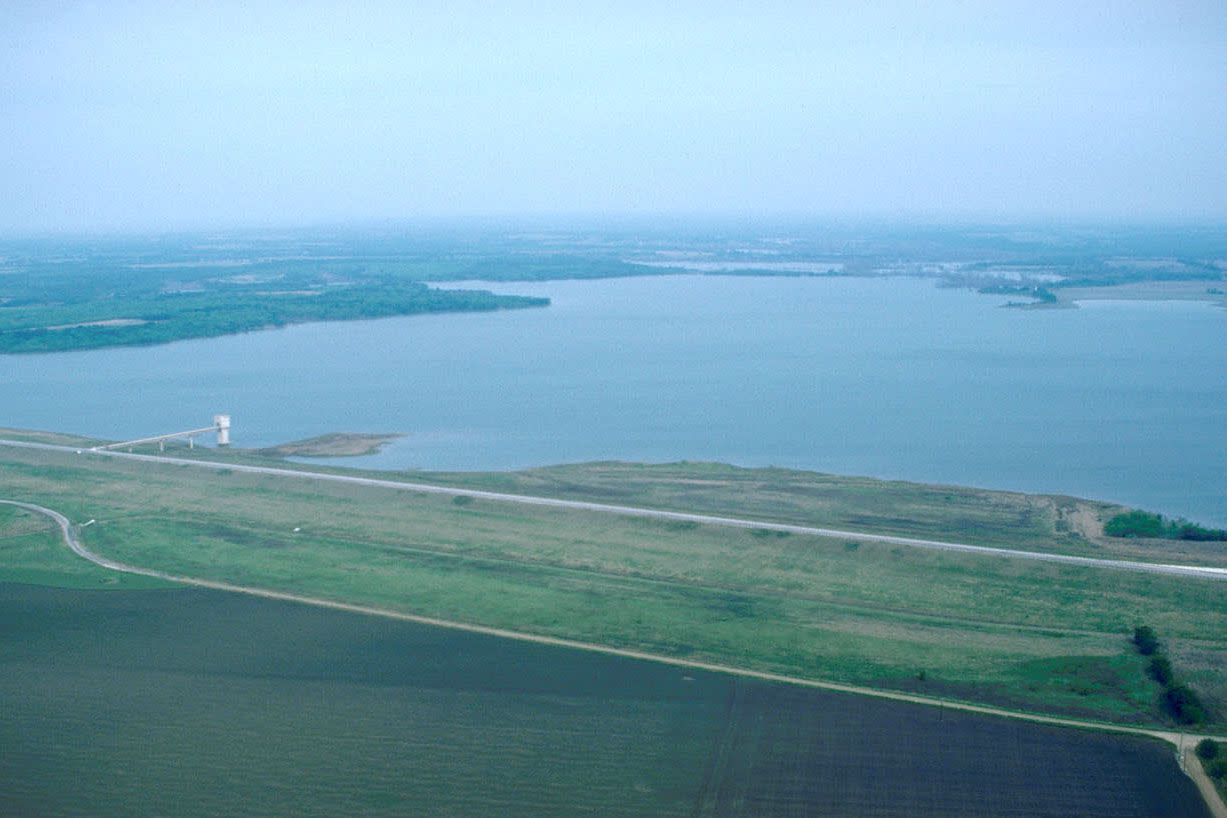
(1041,294)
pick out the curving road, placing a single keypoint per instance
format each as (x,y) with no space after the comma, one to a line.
(70,535)
(1184,743)
(1197,571)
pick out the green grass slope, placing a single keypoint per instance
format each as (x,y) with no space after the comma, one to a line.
(1038,636)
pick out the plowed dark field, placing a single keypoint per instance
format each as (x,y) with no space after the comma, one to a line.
(185,702)
(788,751)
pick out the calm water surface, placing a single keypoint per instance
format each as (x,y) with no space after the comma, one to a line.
(1124,401)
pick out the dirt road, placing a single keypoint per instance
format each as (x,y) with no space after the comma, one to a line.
(72,540)
(1183,742)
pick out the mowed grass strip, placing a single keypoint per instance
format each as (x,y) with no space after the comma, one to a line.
(1035,635)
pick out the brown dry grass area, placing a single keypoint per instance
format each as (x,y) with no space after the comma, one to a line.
(338,444)
(110,322)
(1085,520)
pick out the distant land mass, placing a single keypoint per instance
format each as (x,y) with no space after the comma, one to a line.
(80,293)
(209,311)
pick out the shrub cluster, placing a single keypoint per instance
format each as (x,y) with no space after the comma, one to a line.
(1160,669)
(1184,705)
(1145,640)
(1180,701)
(1145,524)
(1214,760)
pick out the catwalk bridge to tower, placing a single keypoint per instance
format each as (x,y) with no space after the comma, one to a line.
(221,425)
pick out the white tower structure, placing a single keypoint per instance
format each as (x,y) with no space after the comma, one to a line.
(222,423)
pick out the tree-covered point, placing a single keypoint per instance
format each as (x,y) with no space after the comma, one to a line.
(1146,524)
(175,316)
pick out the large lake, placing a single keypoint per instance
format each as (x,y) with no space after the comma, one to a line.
(1123,401)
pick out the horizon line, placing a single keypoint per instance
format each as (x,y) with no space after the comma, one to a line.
(627,219)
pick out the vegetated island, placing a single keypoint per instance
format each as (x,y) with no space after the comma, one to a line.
(336,444)
(173,316)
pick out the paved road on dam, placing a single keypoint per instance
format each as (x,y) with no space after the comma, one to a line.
(1198,571)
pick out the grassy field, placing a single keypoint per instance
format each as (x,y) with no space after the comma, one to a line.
(1037,636)
(188,702)
(1036,522)
(30,552)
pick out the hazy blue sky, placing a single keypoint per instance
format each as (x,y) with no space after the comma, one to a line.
(166,115)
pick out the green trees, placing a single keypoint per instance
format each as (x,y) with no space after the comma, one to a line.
(1184,705)
(1160,669)
(1145,640)
(1214,761)
(1146,524)
(1179,701)
(163,318)
(1135,524)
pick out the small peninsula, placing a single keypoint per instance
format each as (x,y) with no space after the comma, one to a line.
(337,444)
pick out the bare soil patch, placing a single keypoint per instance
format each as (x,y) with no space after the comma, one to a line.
(110,322)
(339,444)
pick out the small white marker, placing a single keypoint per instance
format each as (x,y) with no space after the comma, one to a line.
(89,523)
(297,530)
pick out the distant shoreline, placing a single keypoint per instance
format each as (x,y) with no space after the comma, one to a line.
(1056,297)
(149,321)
